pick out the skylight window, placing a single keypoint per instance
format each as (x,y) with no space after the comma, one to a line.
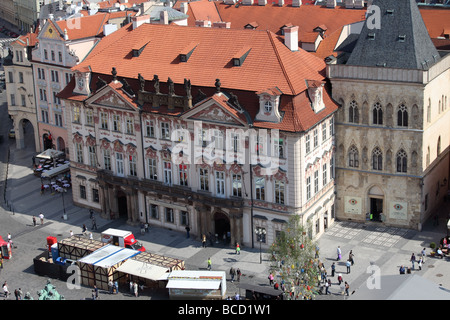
(371,36)
(402,38)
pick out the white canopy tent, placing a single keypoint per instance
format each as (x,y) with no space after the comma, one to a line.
(55,171)
(143,270)
(50,154)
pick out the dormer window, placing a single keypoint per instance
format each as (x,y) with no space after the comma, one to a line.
(268,107)
(136,52)
(240,56)
(390,12)
(187,52)
(371,36)
(402,38)
(315,92)
(269,101)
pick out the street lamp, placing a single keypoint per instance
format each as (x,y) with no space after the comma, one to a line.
(62,190)
(260,232)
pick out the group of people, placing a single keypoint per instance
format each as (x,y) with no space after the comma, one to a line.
(420,261)
(235,273)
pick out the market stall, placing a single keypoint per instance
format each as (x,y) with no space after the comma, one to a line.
(100,267)
(145,274)
(77,247)
(197,285)
(158,260)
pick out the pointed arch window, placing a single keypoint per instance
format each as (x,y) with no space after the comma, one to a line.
(377,114)
(439,146)
(353,113)
(402,116)
(353,157)
(377,159)
(402,161)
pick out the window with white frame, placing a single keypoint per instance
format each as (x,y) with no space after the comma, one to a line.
(279,147)
(307,143)
(89,117)
(279,191)
(183,174)
(107,159)
(130,125)
(308,188)
(169,215)
(316,181)
(119,164)
(132,165)
(58,120)
(152,169)
(82,192)
(92,156)
(260,184)
(218,139)
(324,131)
(116,122)
(165,131)
(24,100)
(154,211)
(316,137)
(76,114)
(104,120)
(237,185)
(324,174)
(79,152)
(184,218)
(268,107)
(204,179)
(44,116)
(220,183)
(149,128)
(56,99)
(167,172)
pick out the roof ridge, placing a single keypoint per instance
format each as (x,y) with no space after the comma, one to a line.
(271,35)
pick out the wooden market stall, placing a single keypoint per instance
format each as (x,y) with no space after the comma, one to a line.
(197,285)
(77,247)
(158,260)
(100,267)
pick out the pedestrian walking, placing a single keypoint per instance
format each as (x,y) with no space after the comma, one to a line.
(423,255)
(5,290)
(347,287)
(348,264)
(90,236)
(232,273)
(238,248)
(270,279)
(71,233)
(316,256)
(34,221)
(204,241)
(9,238)
(238,273)
(94,224)
(96,292)
(333,269)
(187,231)
(41,216)
(135,288)
(339,253)
(420,263)
(350,257)
(413,260)
(111,287)
(84,229)
(340,278)
(327,287)
(209,264)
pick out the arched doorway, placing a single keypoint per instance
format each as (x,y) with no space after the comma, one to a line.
(47,141)
(222,226)
(60,144)
(376,202)
(122,204)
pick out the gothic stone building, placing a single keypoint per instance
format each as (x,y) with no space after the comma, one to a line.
(392,128)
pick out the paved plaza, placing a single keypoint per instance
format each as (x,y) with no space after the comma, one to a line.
(371,243)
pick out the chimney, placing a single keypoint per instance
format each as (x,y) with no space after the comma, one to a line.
(164,17)
(66,36)
(291,37)
(137,21)
(262,2)
(221,24)
(331,3)
(280,3)
(184,7)
(108,29)
(349,4)
(247,2)
(231,2)
(203,23)
(296,3)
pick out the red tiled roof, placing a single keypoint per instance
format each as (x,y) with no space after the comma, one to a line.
(269,63)
(436,21)
(30,39)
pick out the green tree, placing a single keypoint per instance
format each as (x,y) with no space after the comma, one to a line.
(294,261)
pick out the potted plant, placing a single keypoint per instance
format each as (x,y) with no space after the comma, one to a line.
(432,245)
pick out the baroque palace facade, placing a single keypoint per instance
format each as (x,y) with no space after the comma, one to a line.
(161,131)
(392,128)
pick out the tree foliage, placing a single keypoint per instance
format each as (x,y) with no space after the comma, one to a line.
(294,261)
